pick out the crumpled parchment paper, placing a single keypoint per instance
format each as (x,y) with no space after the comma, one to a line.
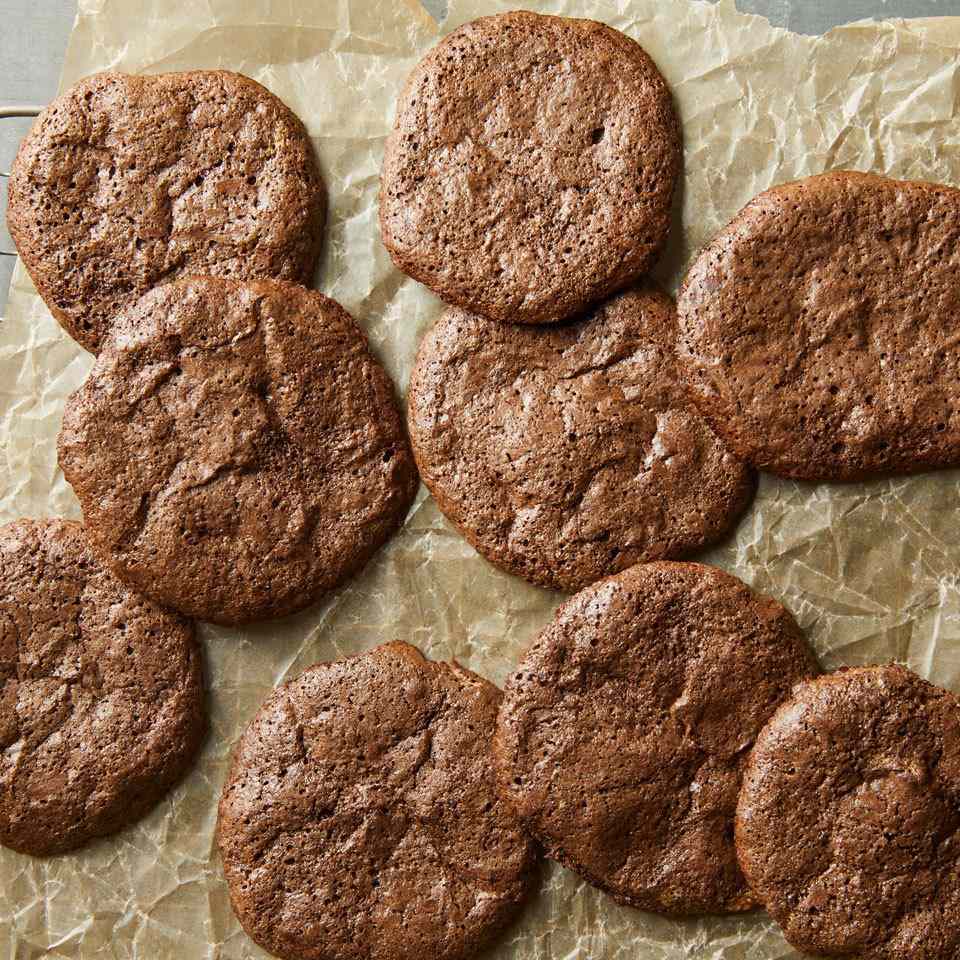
(869,569)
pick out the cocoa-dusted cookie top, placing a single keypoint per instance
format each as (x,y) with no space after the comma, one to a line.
(101,693)
(819,328)
(570,453)
(531,167)
(236,448)
(126,182)
(360,819)
(848,825)
(625,728)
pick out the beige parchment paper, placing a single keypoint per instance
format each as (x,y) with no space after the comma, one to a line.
(869,569)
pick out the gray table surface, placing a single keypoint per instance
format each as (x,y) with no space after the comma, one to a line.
(33,37)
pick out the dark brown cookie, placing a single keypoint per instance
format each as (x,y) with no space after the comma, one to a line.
(236,448)
(848,825)
(531,167)
(101,693)
(360,820)
(624,730)
(126,182)
(570,453)
(819,328)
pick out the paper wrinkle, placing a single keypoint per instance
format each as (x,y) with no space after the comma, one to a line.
(870,570)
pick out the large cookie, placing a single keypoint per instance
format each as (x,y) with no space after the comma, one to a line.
(101,693)
(624,730)
(570,453)
(848,825)
(819,329)
(236,448)
(360,819)
(126,182)
(531,167)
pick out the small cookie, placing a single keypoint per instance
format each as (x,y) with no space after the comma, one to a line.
(101,693)
(531,167)
(236,448)
(848,825)
(360,817)
(570,453)
(819,329)
(624,731)
(126,182)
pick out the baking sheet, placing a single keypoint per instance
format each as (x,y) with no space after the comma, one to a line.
(870,570)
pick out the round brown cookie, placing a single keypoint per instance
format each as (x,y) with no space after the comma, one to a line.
(624,731)
(101,693)
(570,453)
(236,448)
(848,825)
(126,182)
(360,819)
(531,167)
(819,328)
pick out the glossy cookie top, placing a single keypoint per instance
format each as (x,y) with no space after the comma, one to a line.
(126,182)
(624,730)
(567,454)
(531,167)
(101,693)
(360,817)
(236,449)
(819,329)
(848,825)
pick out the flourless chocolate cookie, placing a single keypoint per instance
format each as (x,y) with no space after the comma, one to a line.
(819,328)
(101,693)
(624,731)
(236,448)
(531,167)
(360,819)
(848,825)
(126,182)
(570,453)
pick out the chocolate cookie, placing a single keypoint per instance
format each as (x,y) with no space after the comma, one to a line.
(624,731)
(819,328)
(360,817)
(127,182)
(236,448)
(567,454)
(848,825)
(531,167)
(101,693)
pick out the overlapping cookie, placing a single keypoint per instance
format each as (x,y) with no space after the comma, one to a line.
(361,819)
(101,693)
(625,728)
(531,168)
(236,449)
(568,453)
(818,330)
(125,182)
(848,824)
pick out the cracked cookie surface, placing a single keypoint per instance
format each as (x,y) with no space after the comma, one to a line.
(818,330)
(531,167)
(360,817)
(848,825)
(101,693)
(126,182)
(567,454)
(625,728)
(236,449)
